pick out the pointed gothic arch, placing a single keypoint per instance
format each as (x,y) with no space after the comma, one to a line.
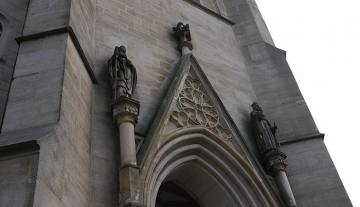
(194,142)
(226,177)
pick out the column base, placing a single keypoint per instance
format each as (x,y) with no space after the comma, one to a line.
(129,185)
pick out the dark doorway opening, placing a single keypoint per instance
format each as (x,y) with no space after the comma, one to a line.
(172,195)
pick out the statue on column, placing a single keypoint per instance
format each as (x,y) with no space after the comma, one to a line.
(122,73)
(265,133)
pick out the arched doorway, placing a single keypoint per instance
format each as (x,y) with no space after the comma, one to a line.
(197,184)
(207,169)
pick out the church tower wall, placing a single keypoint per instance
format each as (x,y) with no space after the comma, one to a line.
(58,123)
(145,29)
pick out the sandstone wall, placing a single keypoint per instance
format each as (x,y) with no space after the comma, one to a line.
(64,167)
(18,170)
(313,176)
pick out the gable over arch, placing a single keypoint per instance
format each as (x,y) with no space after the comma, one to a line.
(193,133)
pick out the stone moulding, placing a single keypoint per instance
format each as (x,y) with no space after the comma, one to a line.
(196,109)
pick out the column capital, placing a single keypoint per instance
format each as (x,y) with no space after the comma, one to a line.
(125,109)
(275,161)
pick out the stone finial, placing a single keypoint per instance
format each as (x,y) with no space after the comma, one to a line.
(125,110)
(122,73)
(182,32)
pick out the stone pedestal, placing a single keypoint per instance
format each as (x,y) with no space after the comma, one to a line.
(277,165)
(125,116)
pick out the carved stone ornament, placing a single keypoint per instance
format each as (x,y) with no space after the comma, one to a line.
(182,32)
(277,164)
(196,109)
(139,140)
(276,161)
(125,110)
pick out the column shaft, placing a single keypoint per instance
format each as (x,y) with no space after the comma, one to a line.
(284,188)
(127,144)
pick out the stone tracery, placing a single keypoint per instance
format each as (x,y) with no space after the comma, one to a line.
(196,109)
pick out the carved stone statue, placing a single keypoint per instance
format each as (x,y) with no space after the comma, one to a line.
(122,73)
(265,133)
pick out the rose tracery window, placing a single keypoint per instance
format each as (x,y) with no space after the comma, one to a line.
(196,109)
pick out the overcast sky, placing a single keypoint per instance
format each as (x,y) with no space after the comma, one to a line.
(322,40)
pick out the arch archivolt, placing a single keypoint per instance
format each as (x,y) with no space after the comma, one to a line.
(196,152)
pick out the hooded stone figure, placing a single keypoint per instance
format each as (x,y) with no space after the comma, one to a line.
(123,75)
(265,133)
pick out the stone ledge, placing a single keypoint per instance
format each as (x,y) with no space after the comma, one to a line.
(73,38)
(25,135)
(300,139)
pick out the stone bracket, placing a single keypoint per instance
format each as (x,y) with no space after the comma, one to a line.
(275,161)
(125,110)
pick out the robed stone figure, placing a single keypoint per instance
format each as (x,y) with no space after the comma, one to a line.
(122,74)
(265,133)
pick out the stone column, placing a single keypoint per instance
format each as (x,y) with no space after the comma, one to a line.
(125,116)
(277,164)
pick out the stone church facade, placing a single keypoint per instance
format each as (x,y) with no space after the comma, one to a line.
(184,137)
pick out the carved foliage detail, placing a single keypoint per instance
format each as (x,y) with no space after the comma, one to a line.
(127,108)
(196,109)
(277,164)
